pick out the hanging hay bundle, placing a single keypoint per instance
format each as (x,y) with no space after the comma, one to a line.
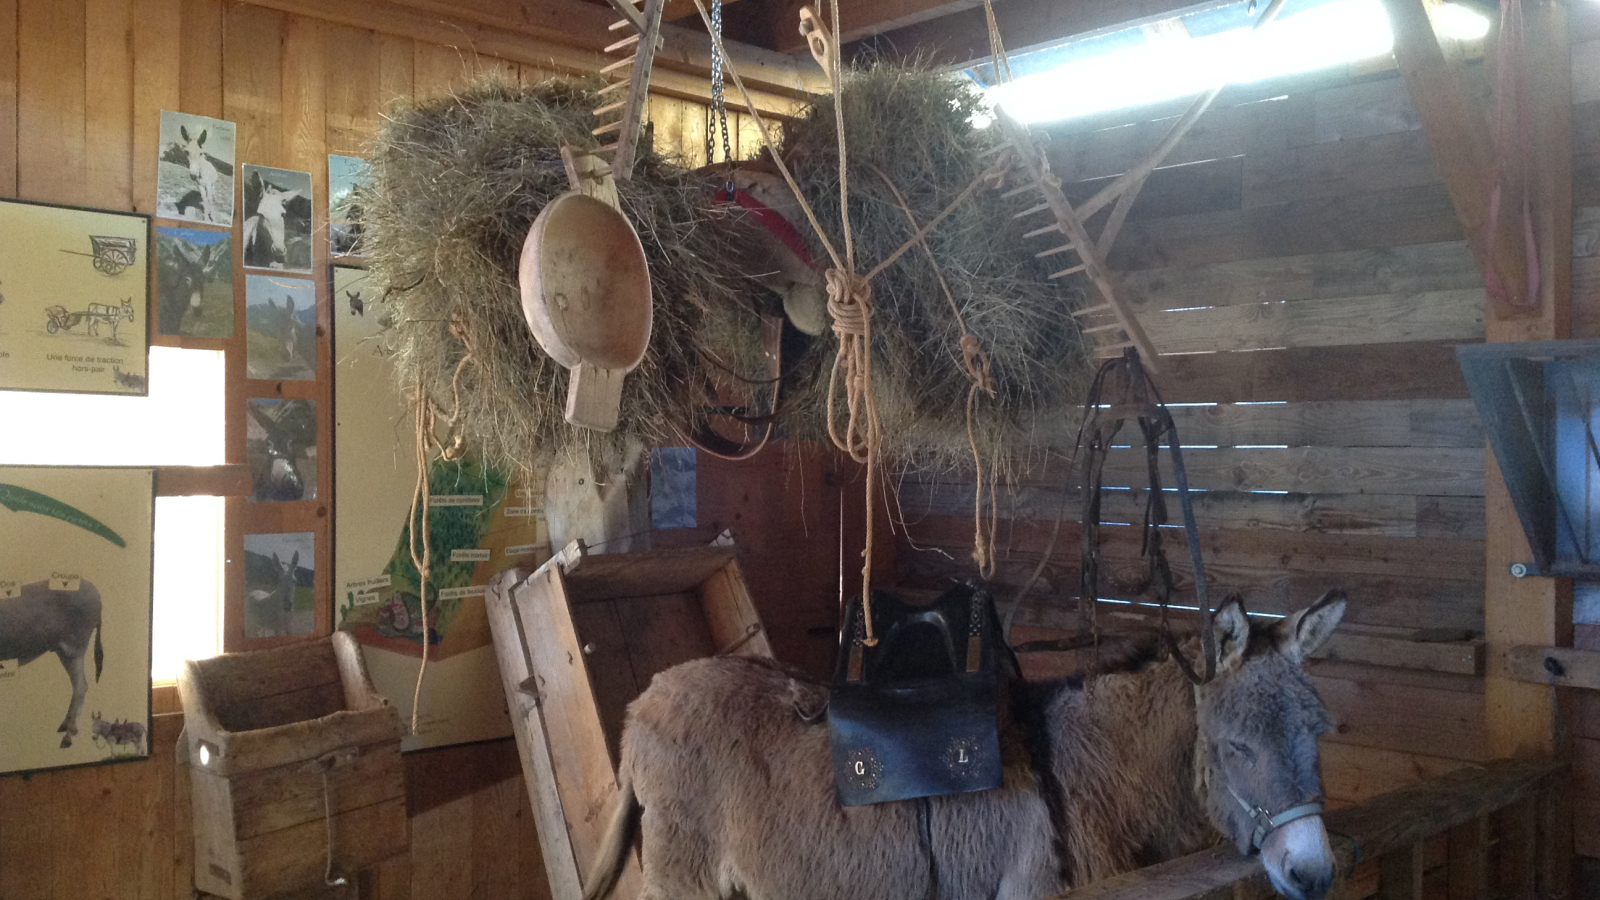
(457,181)
(912,128)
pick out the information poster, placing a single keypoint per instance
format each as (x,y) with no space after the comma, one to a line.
(480,523)
(74,615)
(74,299)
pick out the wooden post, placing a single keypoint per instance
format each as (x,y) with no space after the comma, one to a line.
(1524,718)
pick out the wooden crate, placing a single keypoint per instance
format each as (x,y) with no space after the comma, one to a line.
(579,638)
(283,745)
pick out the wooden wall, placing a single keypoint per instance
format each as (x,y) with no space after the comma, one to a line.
(82,86)
(1301,249)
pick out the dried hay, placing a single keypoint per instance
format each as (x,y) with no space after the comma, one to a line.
(457,181)
(914,125)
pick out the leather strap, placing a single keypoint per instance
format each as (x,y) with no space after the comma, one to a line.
(708,439)
(1266,823)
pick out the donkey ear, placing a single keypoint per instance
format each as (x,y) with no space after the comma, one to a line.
(1301,634)
(201,140)
(1232,627)
(183,132)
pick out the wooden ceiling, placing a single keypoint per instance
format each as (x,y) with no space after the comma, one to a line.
(945,32)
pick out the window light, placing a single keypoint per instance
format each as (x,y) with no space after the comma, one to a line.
(1143,66)
(180,423)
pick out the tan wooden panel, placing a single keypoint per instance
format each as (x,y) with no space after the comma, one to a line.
(1356,372)
(1407,718)
(108,102)
(1354,773)
(693,139)
(8,97)
(1381,319)
(662,632)
(666,117)
(51,160)
(1364,109)
(253,87)
(608,657)
(1326,423)
(396,62)
(290,795)
(156,43)
(1322,225)
(200,58)
(1400,159)
(1384,270)
(1445,471)
(353,97)
(441,851)
(1177,190)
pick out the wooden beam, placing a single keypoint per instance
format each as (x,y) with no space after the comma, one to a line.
(957,34)
(1524,718)
(1560,666)
(1462,147)
(203,481)
(569,36)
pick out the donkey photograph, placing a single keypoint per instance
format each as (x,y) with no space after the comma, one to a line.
(40,620)
(279,599)
(281,447)
(277,219)
(194,177)
(280,318)
(727,781)
(194,282)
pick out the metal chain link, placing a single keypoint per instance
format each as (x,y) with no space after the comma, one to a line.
(717,112)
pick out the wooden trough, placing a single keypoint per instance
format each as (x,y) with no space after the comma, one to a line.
(577,640)
(295,768)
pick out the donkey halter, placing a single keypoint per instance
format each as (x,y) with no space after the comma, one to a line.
(1266,823)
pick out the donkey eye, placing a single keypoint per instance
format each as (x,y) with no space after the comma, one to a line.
(1245,752)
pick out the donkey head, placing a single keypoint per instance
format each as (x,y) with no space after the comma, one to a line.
(1256,759)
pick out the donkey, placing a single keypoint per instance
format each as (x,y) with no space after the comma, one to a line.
(40,620)
(182,278)
(731,784)
(206,170)
(112,315)
(271,609)
(265,241)
(287,327)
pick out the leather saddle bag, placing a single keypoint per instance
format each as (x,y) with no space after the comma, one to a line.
(918,715)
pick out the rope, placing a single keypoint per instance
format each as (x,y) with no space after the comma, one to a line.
(997,49)
(423,561)
(328,878)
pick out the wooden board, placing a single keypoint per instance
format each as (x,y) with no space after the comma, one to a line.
(615,576)
(8,97)
(1401,270)
(1433,316)
(51,90)
(1366,372)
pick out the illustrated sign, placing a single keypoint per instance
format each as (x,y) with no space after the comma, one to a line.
(74,299)
(75,574)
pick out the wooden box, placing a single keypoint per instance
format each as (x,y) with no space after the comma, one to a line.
(293,758)
(579,638)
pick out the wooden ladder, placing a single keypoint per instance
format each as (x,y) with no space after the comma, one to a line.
(1111,320)
(625,95)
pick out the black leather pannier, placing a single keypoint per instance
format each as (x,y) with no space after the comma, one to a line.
(918,715)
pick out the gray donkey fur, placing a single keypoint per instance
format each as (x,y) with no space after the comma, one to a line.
(732,788)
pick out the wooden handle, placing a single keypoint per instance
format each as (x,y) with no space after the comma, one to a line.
(594,397)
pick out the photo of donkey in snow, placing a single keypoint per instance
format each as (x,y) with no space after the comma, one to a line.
(194,179)
(40,620)
(726,776)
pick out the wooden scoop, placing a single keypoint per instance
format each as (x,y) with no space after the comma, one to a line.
(586,295)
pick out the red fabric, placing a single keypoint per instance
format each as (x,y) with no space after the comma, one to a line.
(770,219)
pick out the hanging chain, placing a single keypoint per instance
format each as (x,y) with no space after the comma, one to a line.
(717,112)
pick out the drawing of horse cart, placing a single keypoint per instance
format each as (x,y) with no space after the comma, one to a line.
(111,253)
(58,318)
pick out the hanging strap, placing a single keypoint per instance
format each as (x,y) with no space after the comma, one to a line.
(706,438)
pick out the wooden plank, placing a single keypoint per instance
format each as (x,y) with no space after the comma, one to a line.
(1400,874)
(608,657)
(1468,877)
(1365,372)
(1433,316)
(277,860)
(51,157)
(108,102)
(533,741)
(1561,666)
(206,481)
(614,576)
(157,36)
(396,58)
(1392,161)
(731,615)
(253,85)
(1512,861)
(282,708)
(1176,190)
(1456,657)
(1364,109)
(238,678)
(1443,471)
(200,69)
(495,872)
(1525,718)
(1352,773)
(8,97)
(662,632)
(352,99)
(1402,270)
(1406,718)
(1586,796)
(286,796)
(1320,225)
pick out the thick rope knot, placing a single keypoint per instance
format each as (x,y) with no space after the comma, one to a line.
(977,363)
(849,303)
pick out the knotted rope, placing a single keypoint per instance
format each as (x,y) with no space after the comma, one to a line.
(422,560)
